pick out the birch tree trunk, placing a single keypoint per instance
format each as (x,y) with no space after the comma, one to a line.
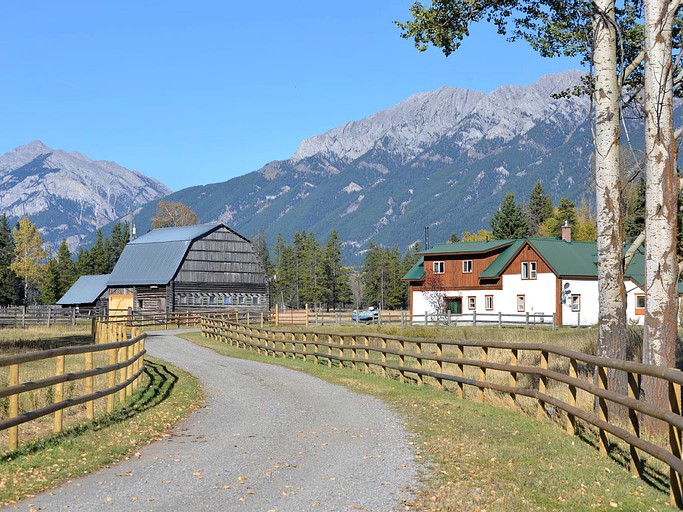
(661,198)
(609,209)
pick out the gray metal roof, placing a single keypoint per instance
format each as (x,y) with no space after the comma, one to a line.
(148,263)
(179,234)
(85,291)
(154,258)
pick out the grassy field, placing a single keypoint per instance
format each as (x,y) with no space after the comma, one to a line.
(478,457)
(165,396)
(39,338)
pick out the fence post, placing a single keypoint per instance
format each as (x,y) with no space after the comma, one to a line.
(89,387)
(307,315)
(14,407)
(527,319)
(384,357)
(634,392)
(474,318)
(554,321)
(418,364)
(571,396)
(277,315)
(59,395)
(73,316)
(602,409)
(426,319)
(512,378)
(542,384)
(401,361)
(460,371)
(482,372)
(439,365)
(500,319)
(111,380)
(675,487)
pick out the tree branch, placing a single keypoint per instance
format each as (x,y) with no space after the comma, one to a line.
(631,252)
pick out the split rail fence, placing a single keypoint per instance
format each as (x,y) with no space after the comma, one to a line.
(22,316)
(120,347)
(551,381)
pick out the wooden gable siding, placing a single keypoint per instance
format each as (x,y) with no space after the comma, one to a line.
(527,254)
(453,276)
(222,257)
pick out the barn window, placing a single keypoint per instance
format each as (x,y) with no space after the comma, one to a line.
(257,300)
(197,300)
(240,300)
(182,298)
(227,300)
(212,300)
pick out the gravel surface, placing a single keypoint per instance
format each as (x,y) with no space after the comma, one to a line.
(268,439)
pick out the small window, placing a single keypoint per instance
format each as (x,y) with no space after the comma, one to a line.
(182,299)
(640,304)
(575,303)
(471,303)
(528,270)
(438,267)
(488,302)
(532,270)
(257,300)
(212,300)
(227,300)
(467,267)
(521,306)
(525,270)
(241,300)
(198,300)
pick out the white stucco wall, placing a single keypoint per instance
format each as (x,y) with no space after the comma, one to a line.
(631,290)
(588,315)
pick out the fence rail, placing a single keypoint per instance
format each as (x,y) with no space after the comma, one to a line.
(124,350)
(28,316)
(556,382)
(312,316)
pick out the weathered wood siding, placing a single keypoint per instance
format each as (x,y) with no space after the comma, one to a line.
(453,277)
(221,270)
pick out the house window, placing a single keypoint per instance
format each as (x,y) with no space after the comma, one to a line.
(227,300)
(438,267)
(471,303)
(488,302)
(521,306)
(640,304)
(528,270)
(575,303)
(467,267)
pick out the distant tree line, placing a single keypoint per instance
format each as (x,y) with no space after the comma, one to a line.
(29,275)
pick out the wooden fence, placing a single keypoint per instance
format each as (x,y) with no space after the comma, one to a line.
(310,316)
(125,351)
(551,381)
(27,316)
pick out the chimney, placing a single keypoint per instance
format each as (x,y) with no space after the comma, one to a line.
(566,232)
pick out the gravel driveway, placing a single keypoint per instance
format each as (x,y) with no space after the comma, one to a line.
(268,439)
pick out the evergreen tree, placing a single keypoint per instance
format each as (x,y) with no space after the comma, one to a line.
(635,214)
(84,263)
(52,283)
(565,212)
(335,277)
(28,253)
(10,284)
(119,239)
(539,209)
(509,221)
(66,268)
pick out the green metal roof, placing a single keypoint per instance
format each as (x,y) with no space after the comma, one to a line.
(417,272)
(568,258)
(499,264)
(467,247)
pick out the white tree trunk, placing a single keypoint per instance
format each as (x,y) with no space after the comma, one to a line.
(609,209)
(661,198)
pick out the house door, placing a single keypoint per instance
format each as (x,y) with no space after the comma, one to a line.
(455,306)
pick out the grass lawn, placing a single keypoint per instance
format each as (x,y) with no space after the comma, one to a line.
(165,396)
(478,457)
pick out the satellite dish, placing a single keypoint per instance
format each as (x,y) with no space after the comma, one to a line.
(566,286)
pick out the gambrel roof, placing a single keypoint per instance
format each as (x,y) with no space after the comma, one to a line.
(154,258)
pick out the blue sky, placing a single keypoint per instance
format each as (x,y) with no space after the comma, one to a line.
(199,92)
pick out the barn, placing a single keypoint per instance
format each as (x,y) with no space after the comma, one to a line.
(203,267)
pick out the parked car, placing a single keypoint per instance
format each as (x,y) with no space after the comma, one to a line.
(367,316)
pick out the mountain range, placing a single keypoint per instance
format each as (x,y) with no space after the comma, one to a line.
(443,159)
(68,195)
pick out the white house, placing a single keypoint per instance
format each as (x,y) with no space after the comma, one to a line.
(538,276)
